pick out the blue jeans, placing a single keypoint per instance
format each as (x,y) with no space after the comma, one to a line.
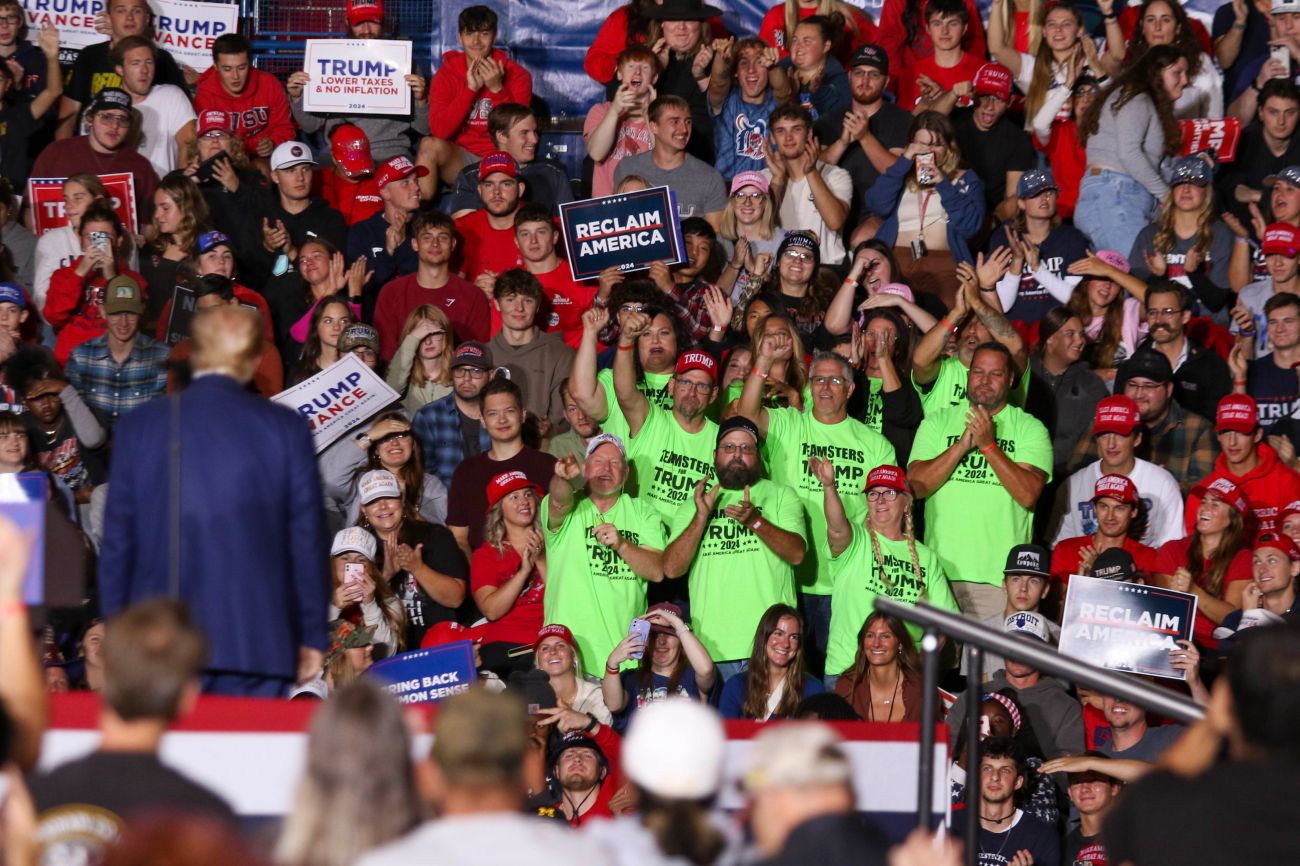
(816,610)
(727,670)
(1112,209)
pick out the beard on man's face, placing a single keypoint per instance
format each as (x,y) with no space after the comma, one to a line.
(735,475)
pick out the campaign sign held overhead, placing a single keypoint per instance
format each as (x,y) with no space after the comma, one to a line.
(629,231)
(357,76)
(425,676)
(1125,626)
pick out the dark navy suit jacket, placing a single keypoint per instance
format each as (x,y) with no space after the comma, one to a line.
(253,551)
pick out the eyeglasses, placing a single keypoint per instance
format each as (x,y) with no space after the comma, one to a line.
(798,255)
(1140,388)
(700,387)
(884,494)
(113,120)
(837,381)
(467,373)
(751,196)
(632,308)
(1163,313)
(399,436)
(732,448)
(11,20)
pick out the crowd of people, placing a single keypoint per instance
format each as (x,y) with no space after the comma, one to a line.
(960,315)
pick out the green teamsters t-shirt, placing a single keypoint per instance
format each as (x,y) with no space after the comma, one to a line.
(735,577)
(854,448)
(949,387)
(668,462)
(858,581)
(972,521)
(653,385)
(589,587)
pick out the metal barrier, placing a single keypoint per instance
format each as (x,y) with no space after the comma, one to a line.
(978,638)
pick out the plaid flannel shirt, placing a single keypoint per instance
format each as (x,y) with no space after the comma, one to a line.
(437,428)
(113,389)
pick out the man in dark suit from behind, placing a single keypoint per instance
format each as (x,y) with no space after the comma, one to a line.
(244,543)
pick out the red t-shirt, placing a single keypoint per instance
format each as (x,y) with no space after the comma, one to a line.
(567,300)
(1173,556)
(1069,161)
(524,619)
(467,502)
(483,248)
(908,89)
(463,302)
(356,200)
(1065,557)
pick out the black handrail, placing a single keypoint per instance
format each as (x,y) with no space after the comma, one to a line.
(979,638)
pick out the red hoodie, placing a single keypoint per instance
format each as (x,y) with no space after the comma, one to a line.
(1268,488)
(261,110)
(459,115)
(74,306)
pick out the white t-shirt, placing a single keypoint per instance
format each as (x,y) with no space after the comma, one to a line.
(1074,514)
(489,839)
(799,211)
(162,114)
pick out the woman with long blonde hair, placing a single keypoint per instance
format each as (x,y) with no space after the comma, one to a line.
(873,554)
(507,574)
(1188,242)
(1061,49)
(749,236)
(421,367)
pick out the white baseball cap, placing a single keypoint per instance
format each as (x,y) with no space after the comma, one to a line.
(378,484)
(354,539)
(291,153)
(675,749)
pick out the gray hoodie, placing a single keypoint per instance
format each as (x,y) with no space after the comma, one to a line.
(1056,717)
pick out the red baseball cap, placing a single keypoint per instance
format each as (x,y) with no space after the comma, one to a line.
(1116,414)
(498,161)
(1281,239)
(360,11)
(443,633)
(697,361)
(507,483)
(215,120)
(1237,412)
(890,477)
(1278,541)
(1118,487)
(1225,491)
(993,79)
(350,148)
(555,630)
(1287,510)
(397,168)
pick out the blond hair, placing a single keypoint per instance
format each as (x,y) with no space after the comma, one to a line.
(227,338)
(908,534)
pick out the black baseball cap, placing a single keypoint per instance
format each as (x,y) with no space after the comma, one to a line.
(1147,364)
(1032,559)
(1115,564)
(739,422)
(871,55)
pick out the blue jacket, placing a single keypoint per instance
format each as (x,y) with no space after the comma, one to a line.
(963,200)
(254,554)
(369,238)
(740,132)
(832,91)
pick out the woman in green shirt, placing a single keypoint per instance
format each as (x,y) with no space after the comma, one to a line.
(881,557)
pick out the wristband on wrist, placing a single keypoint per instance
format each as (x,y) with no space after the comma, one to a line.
(1111,17)
(609,669)
(754,527)
(1239,25)
(992,446)
(593,724)
(1236,382)
(12,608)
(759,373)
(627,348)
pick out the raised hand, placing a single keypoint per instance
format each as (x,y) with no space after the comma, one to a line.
(705,498)
(719,307)
(823,469)
(594,321)
(743,512)
(567,468)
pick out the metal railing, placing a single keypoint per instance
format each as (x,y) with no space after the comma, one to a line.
(977,638)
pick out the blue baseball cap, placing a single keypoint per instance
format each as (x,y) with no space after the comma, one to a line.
(1191,169)
(1034,182)
(208,241)
(1290,174)
(12,293)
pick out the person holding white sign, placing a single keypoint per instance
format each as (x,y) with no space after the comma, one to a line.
(166,117)
(389,134)
(94,69)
